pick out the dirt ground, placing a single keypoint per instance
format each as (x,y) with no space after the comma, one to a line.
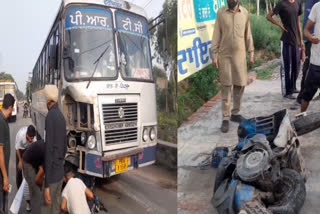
(199,137)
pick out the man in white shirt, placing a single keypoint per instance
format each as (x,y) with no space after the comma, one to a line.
(312,82)
(74,195)
(25,136)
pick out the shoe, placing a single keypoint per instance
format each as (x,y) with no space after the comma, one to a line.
(28,207)
(237,118)
(296,105)
(290,96)
(296,91)
(225,126)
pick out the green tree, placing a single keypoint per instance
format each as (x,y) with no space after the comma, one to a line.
(5,76)
(29,92)
(166,45)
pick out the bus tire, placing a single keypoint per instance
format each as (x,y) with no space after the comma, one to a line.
(291,193)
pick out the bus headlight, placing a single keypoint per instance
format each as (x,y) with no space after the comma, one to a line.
(152,134)
(145,134)
(91,143)
(83,138)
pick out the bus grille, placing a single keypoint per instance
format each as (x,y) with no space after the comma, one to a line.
(120,122)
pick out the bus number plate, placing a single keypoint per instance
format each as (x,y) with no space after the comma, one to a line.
(122,164)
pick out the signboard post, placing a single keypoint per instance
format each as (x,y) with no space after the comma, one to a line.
(196,20)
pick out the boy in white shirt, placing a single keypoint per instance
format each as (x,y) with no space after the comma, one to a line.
(312,82)
(75,194)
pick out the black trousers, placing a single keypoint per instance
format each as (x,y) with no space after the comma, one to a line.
(305,69)
(290,66)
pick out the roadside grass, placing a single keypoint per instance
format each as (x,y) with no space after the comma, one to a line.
(195,91)
(167,127)
(265,36)
(266,73)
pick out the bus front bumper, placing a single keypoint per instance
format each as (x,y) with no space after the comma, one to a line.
(116,162)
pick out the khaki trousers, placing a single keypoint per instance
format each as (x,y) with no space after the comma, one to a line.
(226,93)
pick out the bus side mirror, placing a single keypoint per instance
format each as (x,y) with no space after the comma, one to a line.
(53,57)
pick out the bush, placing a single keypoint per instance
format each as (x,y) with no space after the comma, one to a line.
(265,35)
(195,91)
(205,82)
(167,127)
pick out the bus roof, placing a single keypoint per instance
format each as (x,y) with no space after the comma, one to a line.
(124,5)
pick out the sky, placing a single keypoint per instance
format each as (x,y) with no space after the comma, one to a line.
(24,28)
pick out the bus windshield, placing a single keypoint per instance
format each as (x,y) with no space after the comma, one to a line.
(89,44)
(134,50)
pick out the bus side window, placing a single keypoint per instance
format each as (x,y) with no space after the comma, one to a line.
(46,65)
(51,59)
(54,56)
(57,44)
(43,82)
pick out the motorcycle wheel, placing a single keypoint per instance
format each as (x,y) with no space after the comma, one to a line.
(290,194)
(307,123)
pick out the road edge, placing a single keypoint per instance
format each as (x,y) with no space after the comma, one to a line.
(202,111)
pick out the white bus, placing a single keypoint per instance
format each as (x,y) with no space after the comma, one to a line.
(10,87)
(98,55)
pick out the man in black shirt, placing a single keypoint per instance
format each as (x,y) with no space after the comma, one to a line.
(292,47)
(33,161)
(55,150)
(5,113)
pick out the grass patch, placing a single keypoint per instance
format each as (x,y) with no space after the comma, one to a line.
(167,126)
(195,91)
(265,35)
(266,73)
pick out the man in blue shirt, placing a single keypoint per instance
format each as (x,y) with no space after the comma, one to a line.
(309,4)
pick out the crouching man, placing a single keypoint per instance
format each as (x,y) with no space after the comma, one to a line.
(33,160)
(75,194)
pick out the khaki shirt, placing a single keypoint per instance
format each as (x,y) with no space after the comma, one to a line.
(231,39)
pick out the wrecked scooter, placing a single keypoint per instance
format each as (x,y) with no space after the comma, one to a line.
(265,173)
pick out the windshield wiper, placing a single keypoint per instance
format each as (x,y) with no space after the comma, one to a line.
(97,63)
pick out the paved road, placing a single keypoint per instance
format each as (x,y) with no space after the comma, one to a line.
(151,189)
(198,138)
